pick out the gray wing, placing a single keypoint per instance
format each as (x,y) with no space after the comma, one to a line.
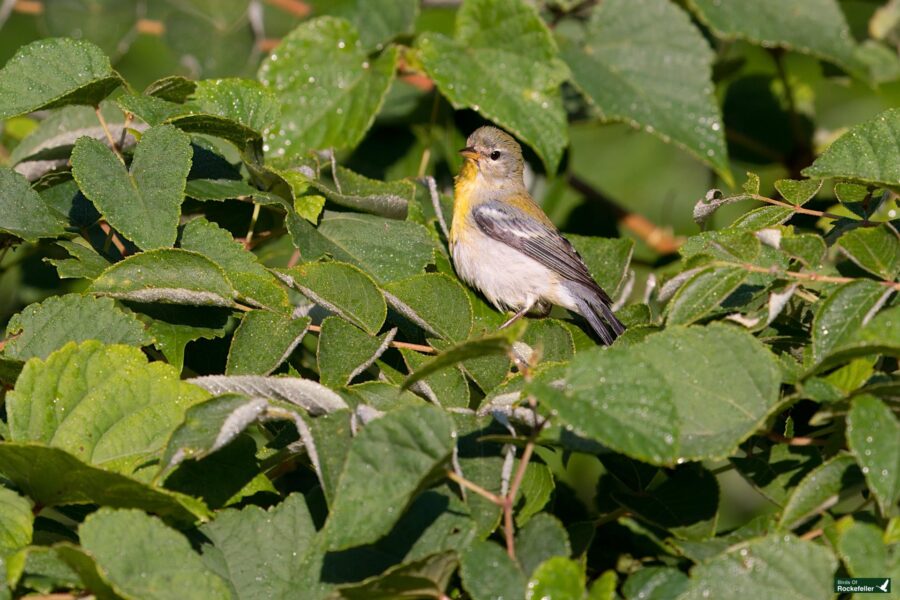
(544,244)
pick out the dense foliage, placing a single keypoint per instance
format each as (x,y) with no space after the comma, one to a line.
(237,361)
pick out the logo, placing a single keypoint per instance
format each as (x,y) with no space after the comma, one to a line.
(862,585)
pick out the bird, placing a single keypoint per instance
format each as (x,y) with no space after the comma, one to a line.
(503,244)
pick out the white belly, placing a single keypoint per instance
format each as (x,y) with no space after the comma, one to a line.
(507,278)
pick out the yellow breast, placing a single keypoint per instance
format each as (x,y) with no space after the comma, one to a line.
(463,195)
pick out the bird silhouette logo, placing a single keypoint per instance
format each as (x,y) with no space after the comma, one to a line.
(884,586)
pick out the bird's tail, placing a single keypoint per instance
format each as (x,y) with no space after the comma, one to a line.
(594,306)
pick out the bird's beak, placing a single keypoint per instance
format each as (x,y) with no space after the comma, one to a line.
(470,153)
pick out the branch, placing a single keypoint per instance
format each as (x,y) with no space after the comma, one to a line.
(407,345)
(109,137)
(462,481)
(652,234)
(803,276)
(800,209)
(795,441)
(111,236)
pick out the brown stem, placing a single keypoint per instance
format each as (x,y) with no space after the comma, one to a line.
(7,340)
(652,234)
(812,534)
(109,137)
(795,441)
(510,499)
(804,276)
(799,209)
(611,516)
(112,237)
(474,487)
(407,345)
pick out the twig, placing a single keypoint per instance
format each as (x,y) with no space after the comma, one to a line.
(296,7)
(795,441)
(804,276)
(436,203)
(7,340)
(812,534)
(800,209)
(611,516)
(112,237)
(295,258)
(407,345)
(653,235)
(510,499)
(498,500)
(112,142)
(248,241)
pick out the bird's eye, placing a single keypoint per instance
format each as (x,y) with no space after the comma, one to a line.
(495,155)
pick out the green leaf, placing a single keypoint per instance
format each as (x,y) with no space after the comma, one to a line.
(819,29)
(345,352)
(378,21)
(386,249)
(105,405)
(315,398)
(43,327)
(542,538)
(435,302)
(841,315)
(209,426)
(869,152)
(488,573)
(16,527)
(475,348)
(144,204)
(85,262)
(662,399)
(686,503)
(53,477)
(607,259)
(559,578)
(342,289)
(881,335)
(174,327)
(251,280)
(819,489)
(263,341)
(604,587)
(873,435)
(218,189)
(446,387)
(645,63)
(775,469)
(797,192)
(863,549)
(257,550)
(55,72)
(328,88)
(385,198)
(426,578)
(502,63)
(875,249)
(243,101)
(387,463)
(774,566)
(143,558)
(170,276)
(702,293)
(655,583)
(22,211)
(808,248)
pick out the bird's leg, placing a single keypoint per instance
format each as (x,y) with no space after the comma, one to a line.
(529,304)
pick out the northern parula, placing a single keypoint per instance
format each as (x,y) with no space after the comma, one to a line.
(504,245)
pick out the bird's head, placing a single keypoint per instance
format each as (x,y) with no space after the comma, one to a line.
(496,155)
